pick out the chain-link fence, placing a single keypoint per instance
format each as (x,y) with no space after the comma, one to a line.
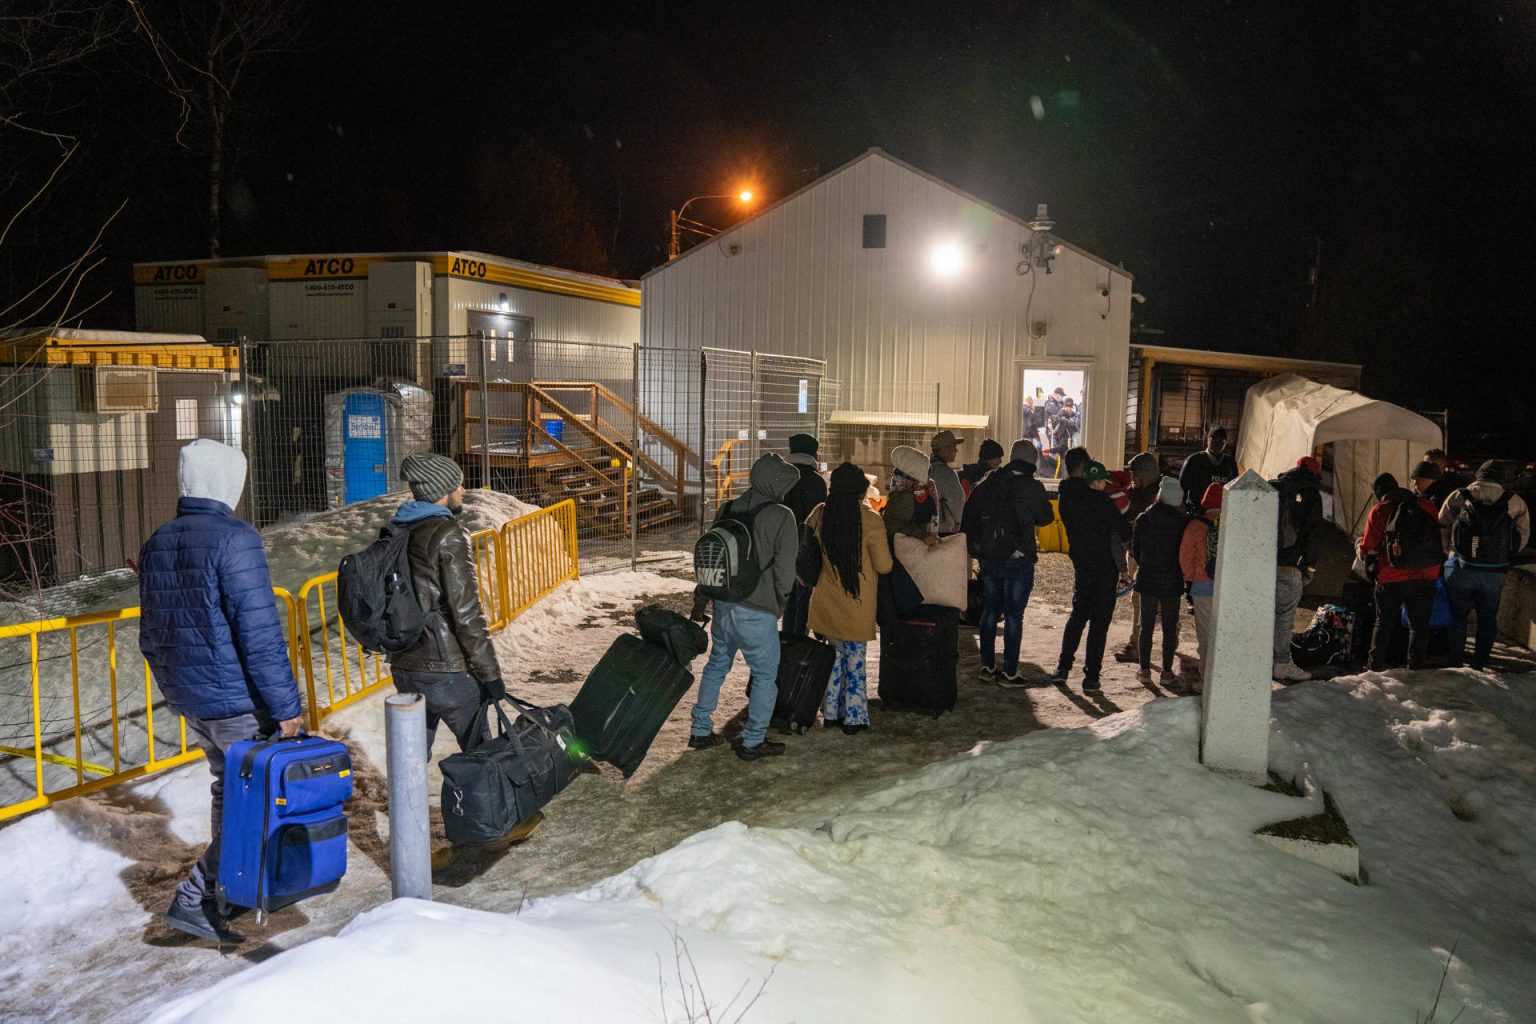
(90,437)
(647,441)
(865,421)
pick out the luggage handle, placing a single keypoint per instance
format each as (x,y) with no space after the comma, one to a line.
(248,762)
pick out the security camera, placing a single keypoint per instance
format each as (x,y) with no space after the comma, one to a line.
(1103,291)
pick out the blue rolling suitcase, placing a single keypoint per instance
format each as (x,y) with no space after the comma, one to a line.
(285,836)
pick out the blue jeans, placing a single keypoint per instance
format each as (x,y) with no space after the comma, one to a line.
(755,633)
(1468,591)
(1005,589)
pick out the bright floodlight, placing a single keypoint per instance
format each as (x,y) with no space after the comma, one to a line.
(746,195)
(946,260)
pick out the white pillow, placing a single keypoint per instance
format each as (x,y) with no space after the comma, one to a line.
(940,572)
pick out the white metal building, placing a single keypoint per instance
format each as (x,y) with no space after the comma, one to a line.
(901,281)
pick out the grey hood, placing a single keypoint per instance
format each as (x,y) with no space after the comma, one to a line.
(1485,490)
(772,477)
(211,470)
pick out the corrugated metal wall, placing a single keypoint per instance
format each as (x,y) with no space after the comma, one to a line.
(798,281)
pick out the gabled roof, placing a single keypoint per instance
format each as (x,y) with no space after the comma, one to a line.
(875,152)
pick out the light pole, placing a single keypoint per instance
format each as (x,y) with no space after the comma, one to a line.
(678,223)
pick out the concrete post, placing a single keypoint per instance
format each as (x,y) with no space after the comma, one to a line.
(1234,711)
(410,845)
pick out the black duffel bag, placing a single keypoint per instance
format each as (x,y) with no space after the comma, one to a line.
(681,638)
(508,778)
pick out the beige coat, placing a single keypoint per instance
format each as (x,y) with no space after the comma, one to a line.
(835,613)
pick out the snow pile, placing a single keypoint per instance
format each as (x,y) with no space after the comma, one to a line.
(1091,875)
(301,549)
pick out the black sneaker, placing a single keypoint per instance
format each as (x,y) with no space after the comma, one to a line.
(1011,680)
(704,742)
(1059,677)
(203,922)
(831,723)
(987,672)
(1090,686)
(767,748)
(854,730)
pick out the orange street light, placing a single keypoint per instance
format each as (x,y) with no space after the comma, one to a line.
(678,223)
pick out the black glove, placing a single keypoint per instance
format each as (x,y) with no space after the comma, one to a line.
(493,691)
(700,610)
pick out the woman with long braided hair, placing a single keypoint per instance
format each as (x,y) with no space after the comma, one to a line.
(854,553)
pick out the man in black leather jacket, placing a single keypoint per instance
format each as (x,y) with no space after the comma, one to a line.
(453,665)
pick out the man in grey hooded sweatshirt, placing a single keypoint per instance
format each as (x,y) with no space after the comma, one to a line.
(751,626)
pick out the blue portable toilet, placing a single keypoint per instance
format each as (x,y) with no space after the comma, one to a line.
(364,455)
(368,431)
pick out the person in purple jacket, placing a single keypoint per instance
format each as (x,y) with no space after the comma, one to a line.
(210,632)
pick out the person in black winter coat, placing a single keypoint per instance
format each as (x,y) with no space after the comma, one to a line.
(805,495)
(1211,465)
(1155,543)
(999,524)
(988,457)
(1092,523)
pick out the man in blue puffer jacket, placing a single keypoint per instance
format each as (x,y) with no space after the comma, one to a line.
(210,631)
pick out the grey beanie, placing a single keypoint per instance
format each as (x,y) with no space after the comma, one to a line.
(1170,492)
(1024,450)
(430,475)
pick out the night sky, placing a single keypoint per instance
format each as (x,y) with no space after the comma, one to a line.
(1216,150)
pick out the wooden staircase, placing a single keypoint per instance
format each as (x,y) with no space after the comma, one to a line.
(574,439)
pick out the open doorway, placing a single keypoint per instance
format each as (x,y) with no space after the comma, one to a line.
(1052,413)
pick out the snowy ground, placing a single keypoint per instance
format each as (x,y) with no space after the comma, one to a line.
(972,866)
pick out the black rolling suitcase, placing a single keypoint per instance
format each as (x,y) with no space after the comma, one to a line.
(917,660)
(805,667)
(625,700)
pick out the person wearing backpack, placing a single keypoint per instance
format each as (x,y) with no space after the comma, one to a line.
(210,633)
(1095,529)
(1299,523)
(945,447)
(1000,521)
(1156,540)
(759,532)
(1402,538)
(855,554)
(452,665)
(1197,560)
(808,492)
(1482,525)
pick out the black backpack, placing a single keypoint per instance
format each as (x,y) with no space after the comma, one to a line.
(990,521)
(1413,537)
(376,597)
(725,562)
(1484,533)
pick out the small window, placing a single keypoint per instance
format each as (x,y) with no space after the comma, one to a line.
(874,231)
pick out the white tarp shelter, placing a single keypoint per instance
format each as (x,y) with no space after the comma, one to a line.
(1288,416)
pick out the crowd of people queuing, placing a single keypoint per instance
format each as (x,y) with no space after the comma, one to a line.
(1136,531)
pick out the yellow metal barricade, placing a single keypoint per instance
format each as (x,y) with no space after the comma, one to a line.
(111,735)
(113,742)
(540,552)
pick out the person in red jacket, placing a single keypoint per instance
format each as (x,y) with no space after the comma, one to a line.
(1400,581)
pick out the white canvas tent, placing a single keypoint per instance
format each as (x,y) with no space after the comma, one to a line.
(1286,417)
